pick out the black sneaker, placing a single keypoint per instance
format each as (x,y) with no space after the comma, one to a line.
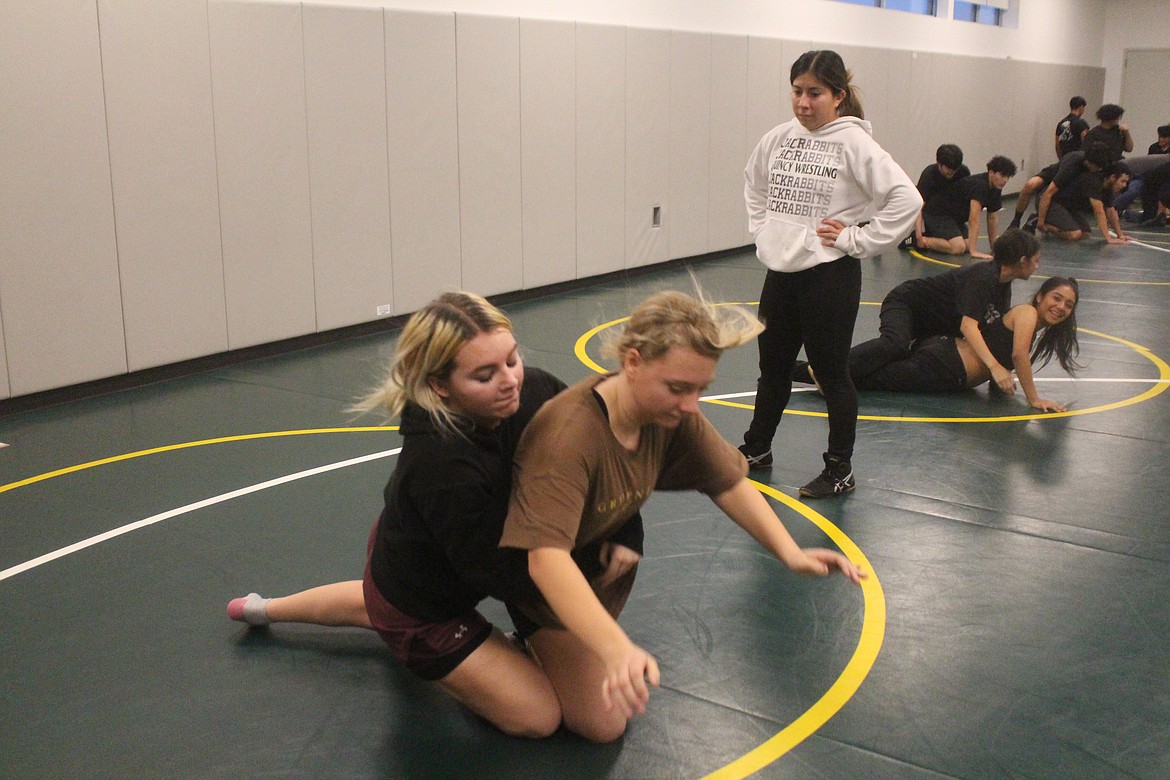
(907,242)
(759,460)
(1030,225)
(835,480)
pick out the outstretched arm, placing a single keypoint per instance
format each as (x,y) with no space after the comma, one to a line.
(1023,323)
(973,218)
(628,668)
(751,512)
(1107,218)
(1000,375)
(1042,206)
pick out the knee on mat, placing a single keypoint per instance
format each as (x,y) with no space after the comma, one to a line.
(601,730)
(534,724)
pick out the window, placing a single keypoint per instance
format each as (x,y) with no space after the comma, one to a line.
(980,13)
(926,7)
(913,6)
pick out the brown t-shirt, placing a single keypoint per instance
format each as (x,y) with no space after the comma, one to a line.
(574,483)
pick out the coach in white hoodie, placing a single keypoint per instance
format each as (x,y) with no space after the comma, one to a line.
(821,196)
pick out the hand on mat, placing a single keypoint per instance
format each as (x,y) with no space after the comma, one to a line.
(1044,405)
(820,562)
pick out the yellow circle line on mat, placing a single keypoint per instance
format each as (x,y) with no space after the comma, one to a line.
(185,445)
(847,683)
(873,629)
(1158,387)
(921,256)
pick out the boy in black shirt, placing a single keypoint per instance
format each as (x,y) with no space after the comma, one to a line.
(951,219)
(1067,206)
(947,171)
(1071,130)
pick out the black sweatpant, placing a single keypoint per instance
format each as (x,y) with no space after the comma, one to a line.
(815,308)
(934,366)
(901,323)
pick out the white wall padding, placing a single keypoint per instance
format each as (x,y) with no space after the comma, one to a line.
(727,216)
(647,145)
(349,178)
(488,74)
(424,156)
(601,149)
(548,150)
(258,83)
(58,260)
(689,151)
(162,157)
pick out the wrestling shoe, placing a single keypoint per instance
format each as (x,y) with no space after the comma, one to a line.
(835,480)
(759,460)
(1030,225)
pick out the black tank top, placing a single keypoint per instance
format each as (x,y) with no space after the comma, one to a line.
(999,340)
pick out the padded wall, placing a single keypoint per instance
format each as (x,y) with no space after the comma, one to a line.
(261,137)
(767,89)
(1145,94)
(157,71)
(727,220)
(601,149)
(424,156)
(58,258)
(5,390)
(349,176)
(488,75)
(957,90)
(211,174)
(689,151)
(647,160)
(548,150)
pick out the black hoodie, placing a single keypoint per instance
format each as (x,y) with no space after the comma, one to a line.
(437,551)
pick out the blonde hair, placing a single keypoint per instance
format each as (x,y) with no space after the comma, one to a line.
(671,318)
(426,353)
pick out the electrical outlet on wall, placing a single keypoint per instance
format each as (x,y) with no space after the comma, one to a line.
(385,309)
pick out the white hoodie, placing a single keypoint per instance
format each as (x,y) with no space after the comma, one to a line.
(795,178)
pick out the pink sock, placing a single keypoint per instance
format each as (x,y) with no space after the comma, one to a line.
(249,609)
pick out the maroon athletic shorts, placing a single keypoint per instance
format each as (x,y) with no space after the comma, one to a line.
(430,650)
